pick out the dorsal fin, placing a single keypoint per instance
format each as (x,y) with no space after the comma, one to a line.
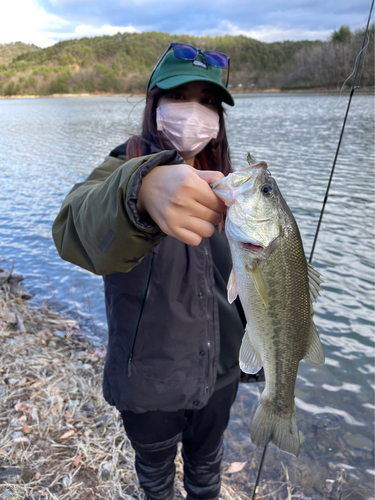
(315,352)
(314,282)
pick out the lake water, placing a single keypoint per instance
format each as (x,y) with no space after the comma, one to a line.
(47,145)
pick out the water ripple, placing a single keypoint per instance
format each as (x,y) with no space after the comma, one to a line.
(50,144)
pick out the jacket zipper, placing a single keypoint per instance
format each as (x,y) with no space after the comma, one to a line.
(207,317)
(145,295)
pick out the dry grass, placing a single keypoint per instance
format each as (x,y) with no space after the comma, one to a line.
(59,438)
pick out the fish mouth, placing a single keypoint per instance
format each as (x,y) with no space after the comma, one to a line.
(262,252)
(251,247)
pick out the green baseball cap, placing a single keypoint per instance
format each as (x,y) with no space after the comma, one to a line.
(173,72)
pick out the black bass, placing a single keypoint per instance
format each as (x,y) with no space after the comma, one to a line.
(276,287)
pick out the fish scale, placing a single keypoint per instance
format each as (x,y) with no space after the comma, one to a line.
(276,286)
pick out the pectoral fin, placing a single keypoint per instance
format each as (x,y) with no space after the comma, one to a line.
(256,275)
(232,287)
(250,358)
(315,353)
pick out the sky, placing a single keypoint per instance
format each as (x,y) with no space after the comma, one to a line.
(46,22)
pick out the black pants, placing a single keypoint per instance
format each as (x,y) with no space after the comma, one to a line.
(154,436)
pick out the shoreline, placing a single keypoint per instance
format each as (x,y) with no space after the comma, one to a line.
(318,90)
(60,439)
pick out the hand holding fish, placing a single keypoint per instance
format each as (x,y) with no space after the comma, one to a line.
(180,201)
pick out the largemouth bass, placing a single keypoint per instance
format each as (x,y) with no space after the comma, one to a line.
(276,287)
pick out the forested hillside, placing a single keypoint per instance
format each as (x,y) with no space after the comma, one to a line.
(9,51)
(122,63)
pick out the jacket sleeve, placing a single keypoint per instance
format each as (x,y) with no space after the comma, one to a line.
(98,226)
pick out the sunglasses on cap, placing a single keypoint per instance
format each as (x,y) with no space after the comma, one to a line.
(190,53)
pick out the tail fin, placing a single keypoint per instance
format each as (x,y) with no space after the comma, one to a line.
(270,426)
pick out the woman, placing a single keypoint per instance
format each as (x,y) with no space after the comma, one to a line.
(145,219)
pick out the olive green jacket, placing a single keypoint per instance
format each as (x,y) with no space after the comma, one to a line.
(98,227)
(156,287)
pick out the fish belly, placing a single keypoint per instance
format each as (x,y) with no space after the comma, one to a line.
(280,331)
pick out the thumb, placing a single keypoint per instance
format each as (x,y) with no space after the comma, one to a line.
(210,176)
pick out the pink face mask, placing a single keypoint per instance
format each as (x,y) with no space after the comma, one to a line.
(189,126)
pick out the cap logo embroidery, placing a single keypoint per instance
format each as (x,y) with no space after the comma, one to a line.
(200,64)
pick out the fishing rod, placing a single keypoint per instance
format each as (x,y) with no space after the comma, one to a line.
(255,491)
(342,133)
(353,88)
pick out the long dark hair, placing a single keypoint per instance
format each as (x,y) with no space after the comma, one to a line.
(215,155)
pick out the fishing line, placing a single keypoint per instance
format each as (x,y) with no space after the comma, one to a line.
(341,135)
(314,139)
(363,65)
(353,88)
(339,98)
(142,99)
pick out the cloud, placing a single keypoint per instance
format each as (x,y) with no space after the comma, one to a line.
(269,33)
(275,34)
(86,30)
(44,22)
(23,20)
(183,15)
(26,21)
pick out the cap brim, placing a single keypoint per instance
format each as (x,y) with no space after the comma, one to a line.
(176,81)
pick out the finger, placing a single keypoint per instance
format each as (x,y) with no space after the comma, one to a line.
(200,211)
(200,227)
(206,197)
(188,237)
(209,176)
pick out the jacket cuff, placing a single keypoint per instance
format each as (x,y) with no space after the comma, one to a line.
(164,158)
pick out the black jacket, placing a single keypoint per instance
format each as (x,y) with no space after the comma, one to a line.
(173,336)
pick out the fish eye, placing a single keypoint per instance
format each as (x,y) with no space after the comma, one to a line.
(266,189)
